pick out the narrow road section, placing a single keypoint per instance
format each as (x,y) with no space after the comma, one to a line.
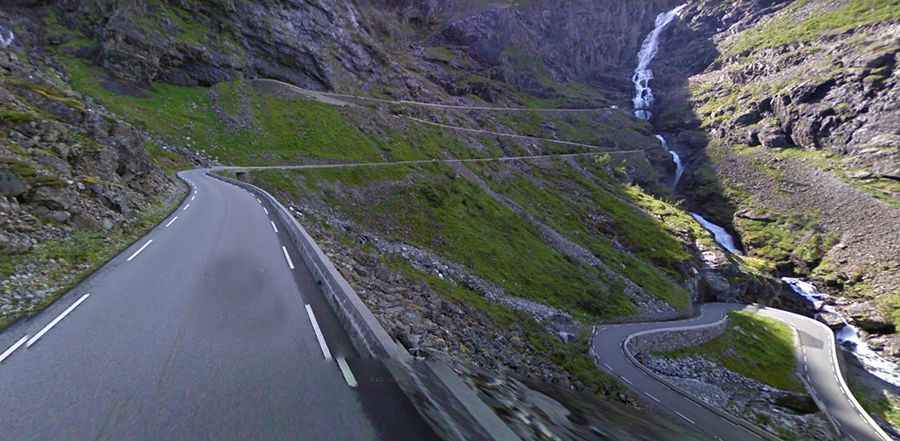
(202,332)
(817,359)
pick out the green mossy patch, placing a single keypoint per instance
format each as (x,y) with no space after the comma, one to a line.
(787,28)
(754,346)
(430,207)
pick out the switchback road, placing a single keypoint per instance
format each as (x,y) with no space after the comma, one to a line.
(817,361)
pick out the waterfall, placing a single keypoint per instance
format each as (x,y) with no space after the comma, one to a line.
(5,41)
(849,336)
(643,98)
(720,234)
(679,167)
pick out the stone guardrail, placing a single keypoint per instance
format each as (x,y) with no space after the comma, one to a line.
(454,410)
(760,432)
(626,347)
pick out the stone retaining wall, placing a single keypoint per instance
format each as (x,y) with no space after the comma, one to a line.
(666,341)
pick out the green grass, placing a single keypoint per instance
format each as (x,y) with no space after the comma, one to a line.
(429,207)
(649,242)
(778,240)
(877,402)
(16,117)
(883,189)
(787,29)
(573,358)
(282,130)
(756,347)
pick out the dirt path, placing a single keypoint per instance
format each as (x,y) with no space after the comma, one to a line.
(326,98)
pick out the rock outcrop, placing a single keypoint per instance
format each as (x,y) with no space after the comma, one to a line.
(67,167)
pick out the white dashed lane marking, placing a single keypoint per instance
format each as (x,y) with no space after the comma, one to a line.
(287,257)
(186,207)
(651,397)
(345,370)
(56,320)
(172,221)
(140,250)
(13,348)
(684,417)
(273,226)
(321,338)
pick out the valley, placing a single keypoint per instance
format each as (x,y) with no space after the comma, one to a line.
(513,189)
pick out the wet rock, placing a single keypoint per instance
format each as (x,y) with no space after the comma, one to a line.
(870,318)
(831,319)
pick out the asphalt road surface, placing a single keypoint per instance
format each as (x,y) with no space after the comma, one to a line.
(816,358)
(199,331)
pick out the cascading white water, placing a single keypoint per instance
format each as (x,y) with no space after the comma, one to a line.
(643,98)
(679,167)
(6,40)
(721,235)
(849,336)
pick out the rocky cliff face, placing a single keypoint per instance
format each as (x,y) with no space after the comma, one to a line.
(69,170)
(315,44)
(366,46)
(812,105)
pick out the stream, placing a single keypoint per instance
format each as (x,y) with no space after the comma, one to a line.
(850,337)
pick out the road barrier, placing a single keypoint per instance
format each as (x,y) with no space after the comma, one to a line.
(454,410)
(626,347)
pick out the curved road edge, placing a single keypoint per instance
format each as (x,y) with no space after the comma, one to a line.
(735,420)
(440,395)
(794,321)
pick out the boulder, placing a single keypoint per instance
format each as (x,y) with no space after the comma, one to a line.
(773,137)
(831,319)
(11,184)
(799,403)
(870,318)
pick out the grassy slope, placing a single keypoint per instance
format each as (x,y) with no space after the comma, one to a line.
(573,358)
(429,207)
(655,253)
(787,29)
(878,403)
(756,347)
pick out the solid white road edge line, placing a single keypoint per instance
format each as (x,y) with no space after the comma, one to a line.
(348,374)
(13,348)
(626,380)
(56,320)
(273,226)
(287,257)
(140,250)
(172,221)
(685,418)
(319,336)
(608,367)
